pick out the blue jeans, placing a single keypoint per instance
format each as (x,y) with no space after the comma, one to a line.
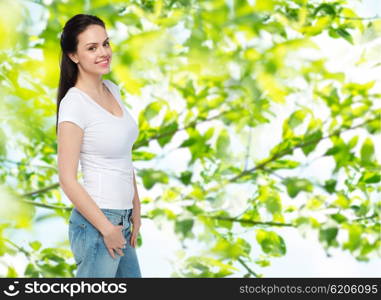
(90,252)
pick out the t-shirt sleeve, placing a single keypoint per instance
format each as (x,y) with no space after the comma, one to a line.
(71,109)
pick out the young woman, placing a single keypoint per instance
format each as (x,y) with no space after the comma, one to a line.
(94,127)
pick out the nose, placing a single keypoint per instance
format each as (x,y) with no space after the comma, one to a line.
(103,52)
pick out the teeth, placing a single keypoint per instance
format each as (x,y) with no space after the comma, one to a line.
(103,61)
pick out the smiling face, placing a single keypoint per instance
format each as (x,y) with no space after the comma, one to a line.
(93,51)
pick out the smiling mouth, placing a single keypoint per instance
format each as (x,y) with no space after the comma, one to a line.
(103,62)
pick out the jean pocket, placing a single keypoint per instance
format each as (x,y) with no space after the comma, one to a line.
(77,238)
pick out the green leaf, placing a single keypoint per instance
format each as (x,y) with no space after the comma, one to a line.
(353,142)
(339,218)
(283,164)
(184,227)
(142,155)
(345,34)
(31,271)
(354,239)
(194,209)
(11,273)
(3,139)
(152,110)
(369,177)
(151,177)
(312,139)
(328,9)
(50,253)
(264,5)
(35,245)
(300,221)
(315,202)
(168,132)
(209,133)
(223,223)
(296,185)
(263,262)
(229,250)
(162,212)
(188,142)
(222,144)
(271,243)
(367,151)
(296,118)
(201,266)
(274,204)
(341,201)
(330,185)
(186,177)
(328,235)
(373,127)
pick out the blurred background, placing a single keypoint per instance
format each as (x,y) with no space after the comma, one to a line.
(259,146)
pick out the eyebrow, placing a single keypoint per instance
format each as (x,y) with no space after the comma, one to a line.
(96,43)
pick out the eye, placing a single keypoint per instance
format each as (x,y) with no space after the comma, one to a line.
(107,43)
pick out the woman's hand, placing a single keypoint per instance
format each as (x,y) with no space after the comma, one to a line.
(135,220)
(115,240)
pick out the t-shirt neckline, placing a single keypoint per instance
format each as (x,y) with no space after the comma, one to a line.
(103,109)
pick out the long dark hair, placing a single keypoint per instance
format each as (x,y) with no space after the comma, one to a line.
(69,42)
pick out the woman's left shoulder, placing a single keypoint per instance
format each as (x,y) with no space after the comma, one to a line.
(112,84)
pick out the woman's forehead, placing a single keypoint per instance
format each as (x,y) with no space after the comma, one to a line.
(93,34)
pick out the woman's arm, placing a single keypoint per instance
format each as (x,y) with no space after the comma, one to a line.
(136,223)
(136,200)
(69,144)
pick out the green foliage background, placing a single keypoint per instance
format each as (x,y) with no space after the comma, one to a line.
(344,209)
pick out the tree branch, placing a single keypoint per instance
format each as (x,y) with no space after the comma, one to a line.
(359,18)
(43,190)
(246,221)
(44,205)
(366,218)
(286,151)
(240,260)
(27,254)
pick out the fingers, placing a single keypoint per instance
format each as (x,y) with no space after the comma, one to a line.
(133,239)
(111,251)
(120,251)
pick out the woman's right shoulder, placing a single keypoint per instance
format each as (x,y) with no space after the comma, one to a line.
(72,96)
(72,93)
(72,108)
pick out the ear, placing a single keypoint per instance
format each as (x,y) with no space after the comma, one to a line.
(73,58)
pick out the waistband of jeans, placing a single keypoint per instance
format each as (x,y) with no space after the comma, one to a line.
(121,212)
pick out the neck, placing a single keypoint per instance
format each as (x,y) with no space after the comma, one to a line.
(90,83)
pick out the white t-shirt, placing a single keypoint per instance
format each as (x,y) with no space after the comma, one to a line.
(105,156)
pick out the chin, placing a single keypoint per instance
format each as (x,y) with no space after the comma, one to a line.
(106,71)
